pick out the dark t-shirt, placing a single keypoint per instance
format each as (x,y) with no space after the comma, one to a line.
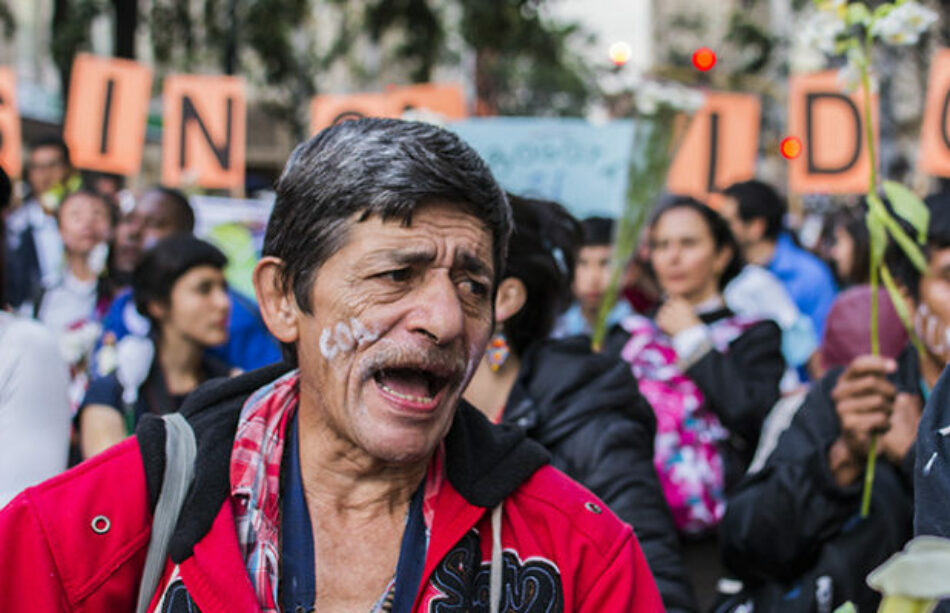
(153,396)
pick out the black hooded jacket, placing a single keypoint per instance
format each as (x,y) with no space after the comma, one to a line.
(586,410)
(791,520)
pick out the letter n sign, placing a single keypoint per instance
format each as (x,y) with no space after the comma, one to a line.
(830,124)
(9,124)
(107,113)
(203,131)
(934,155)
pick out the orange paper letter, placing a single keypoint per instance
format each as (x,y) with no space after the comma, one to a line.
(935,130)
(9,124)
(720,146)
(107,113)
(203,131)
(830,124)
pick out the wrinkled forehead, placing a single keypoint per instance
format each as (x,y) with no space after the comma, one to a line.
(432,232)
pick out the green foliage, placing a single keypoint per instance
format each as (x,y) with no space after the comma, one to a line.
(746,34)
(910,207)
(425,34)
(523,64)
(7,20)
(70,33)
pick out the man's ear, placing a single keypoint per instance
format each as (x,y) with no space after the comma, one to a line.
(511,296)
(757,226)
(278,308)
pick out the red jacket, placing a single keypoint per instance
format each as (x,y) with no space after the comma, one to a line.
(557,538)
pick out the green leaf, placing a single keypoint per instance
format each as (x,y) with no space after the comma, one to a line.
(910,207)
(858,13)
(877,232)
(878,215)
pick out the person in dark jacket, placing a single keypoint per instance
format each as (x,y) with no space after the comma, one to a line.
(711,376)
(793,532)
(932,468)
(584,407)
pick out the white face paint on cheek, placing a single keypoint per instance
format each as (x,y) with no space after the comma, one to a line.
(337,342)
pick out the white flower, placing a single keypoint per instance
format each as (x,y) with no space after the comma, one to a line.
(651,95)
(76,343)
(820,31)
(134,355)
(905,24)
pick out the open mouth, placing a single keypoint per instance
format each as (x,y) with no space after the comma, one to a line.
(416,388)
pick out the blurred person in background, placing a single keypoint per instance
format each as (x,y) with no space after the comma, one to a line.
(932,466)
(161,212)
(710,375)
(755,212)
(34,248)
(34,406)
(591,278)
(584,407)
(83,292)
(849,245)
(179,286)
(793,532)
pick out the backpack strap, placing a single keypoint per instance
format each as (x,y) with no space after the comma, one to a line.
(181,449)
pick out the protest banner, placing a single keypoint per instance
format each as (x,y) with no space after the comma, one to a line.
(934,155)
(237,227)
(9,124)
(720,146)
(830,124)
(581,165)
(446,100)
(107,113)
(204,131)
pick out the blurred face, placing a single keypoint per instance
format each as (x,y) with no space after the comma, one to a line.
(401,316)
(591,276)
(935,290)
(84,222)
(47,168)
(198,307)
(684,256)
(127,245)
(729,209)
(842,252)
(158,216)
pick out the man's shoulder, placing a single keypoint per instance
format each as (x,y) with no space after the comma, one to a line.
(569,511)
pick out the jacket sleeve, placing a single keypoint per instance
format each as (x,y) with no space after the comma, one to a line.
(778,518)
(932,470)
(624,585)
(28,573)
(742,384)
(618,468)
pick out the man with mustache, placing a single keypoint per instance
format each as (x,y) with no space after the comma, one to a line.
(351,478)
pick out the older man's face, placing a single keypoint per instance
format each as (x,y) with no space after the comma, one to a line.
(401,316)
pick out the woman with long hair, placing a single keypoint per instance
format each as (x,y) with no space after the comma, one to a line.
(710,375)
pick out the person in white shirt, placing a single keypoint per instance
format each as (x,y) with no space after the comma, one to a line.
(34,408)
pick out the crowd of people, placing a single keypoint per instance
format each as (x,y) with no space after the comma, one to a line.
(387,424)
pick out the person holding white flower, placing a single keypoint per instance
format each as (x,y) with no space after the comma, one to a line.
(179,286)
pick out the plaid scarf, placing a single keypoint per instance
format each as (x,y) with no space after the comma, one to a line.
(255,485)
